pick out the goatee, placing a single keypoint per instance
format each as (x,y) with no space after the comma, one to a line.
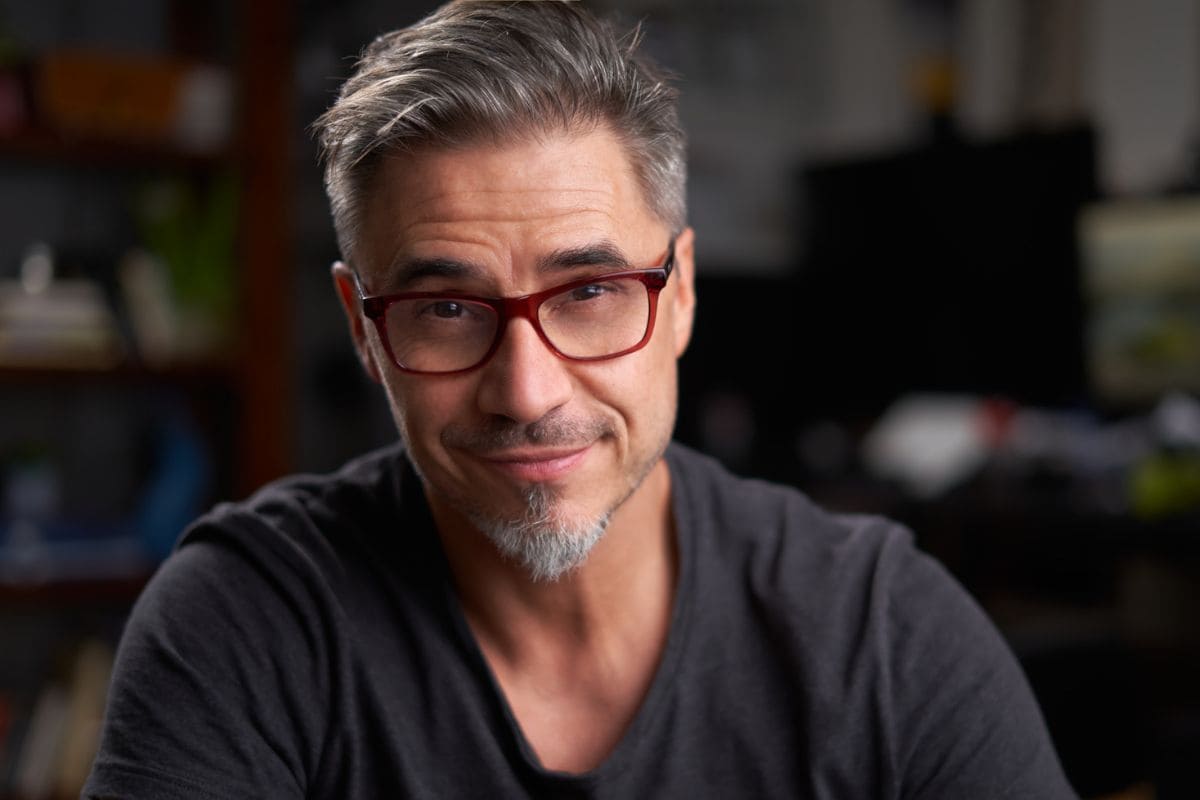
(545,547)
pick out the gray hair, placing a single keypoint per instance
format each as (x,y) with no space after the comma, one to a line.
(497,71)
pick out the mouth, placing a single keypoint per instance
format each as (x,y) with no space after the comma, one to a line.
(540,465)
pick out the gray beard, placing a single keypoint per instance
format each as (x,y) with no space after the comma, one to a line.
(546,548)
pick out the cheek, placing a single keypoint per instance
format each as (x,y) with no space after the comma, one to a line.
(643,388)
(660,385)
(421,408)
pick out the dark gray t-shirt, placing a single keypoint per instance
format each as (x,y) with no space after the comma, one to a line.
(308,643)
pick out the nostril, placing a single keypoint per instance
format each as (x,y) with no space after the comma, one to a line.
(525,379)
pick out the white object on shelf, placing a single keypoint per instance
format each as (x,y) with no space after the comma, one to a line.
(928,443)
(65,324)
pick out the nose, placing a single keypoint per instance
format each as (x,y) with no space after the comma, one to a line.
(524,380)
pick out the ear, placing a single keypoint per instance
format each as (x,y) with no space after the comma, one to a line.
(347,292)
(684,296)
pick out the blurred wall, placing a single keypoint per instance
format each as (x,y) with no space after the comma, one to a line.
(770,86)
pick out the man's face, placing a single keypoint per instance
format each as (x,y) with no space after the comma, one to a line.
(581,435)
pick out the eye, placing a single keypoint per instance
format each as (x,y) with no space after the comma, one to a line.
(591,291)
(446,309)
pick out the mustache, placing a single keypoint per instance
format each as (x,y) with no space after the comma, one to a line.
(499,433)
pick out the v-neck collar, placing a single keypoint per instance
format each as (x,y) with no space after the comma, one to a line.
(649,712)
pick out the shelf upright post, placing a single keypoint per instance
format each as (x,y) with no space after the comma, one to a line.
(264,352)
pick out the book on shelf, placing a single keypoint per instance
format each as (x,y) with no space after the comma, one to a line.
(36,759)
(65,324)
(54,735)
(90,674)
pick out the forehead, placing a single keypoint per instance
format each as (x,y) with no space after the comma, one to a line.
(497,204)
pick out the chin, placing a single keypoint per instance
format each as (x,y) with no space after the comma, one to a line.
(545,539)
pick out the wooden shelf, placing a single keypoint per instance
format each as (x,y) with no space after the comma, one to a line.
(183,374)
(115,590)
(54,148)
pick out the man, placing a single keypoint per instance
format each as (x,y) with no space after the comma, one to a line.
(535,594)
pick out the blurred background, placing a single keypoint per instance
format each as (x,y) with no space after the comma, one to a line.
(949,271)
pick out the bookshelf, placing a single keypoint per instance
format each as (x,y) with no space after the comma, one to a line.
(124,452)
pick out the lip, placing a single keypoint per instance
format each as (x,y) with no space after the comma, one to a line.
(537,466)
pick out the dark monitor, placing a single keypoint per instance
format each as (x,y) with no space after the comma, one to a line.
(953,267)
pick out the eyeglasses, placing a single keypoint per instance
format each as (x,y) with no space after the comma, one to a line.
(590,319)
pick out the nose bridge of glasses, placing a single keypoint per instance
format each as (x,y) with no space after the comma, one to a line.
(511,309)
(524,307)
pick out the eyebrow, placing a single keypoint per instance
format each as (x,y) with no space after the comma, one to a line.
(603,253)
(407,272)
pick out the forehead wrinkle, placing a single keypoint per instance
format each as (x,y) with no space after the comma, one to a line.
(462,206)
(603,252)
(476,229)
(412,231)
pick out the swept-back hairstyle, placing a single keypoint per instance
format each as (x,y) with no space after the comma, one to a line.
(482,71)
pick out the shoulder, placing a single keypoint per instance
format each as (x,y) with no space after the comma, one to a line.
(241,623)
(777,528)
(284,559)
(351,497)
(293,531)
(227,673)
(309,522)
(878,632)
(818,571)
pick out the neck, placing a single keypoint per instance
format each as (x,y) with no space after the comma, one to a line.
(574,658)
(623,590)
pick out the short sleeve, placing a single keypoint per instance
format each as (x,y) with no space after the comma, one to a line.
(220,683)
(967,722)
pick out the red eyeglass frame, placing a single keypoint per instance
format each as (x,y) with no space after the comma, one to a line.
(374,308)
